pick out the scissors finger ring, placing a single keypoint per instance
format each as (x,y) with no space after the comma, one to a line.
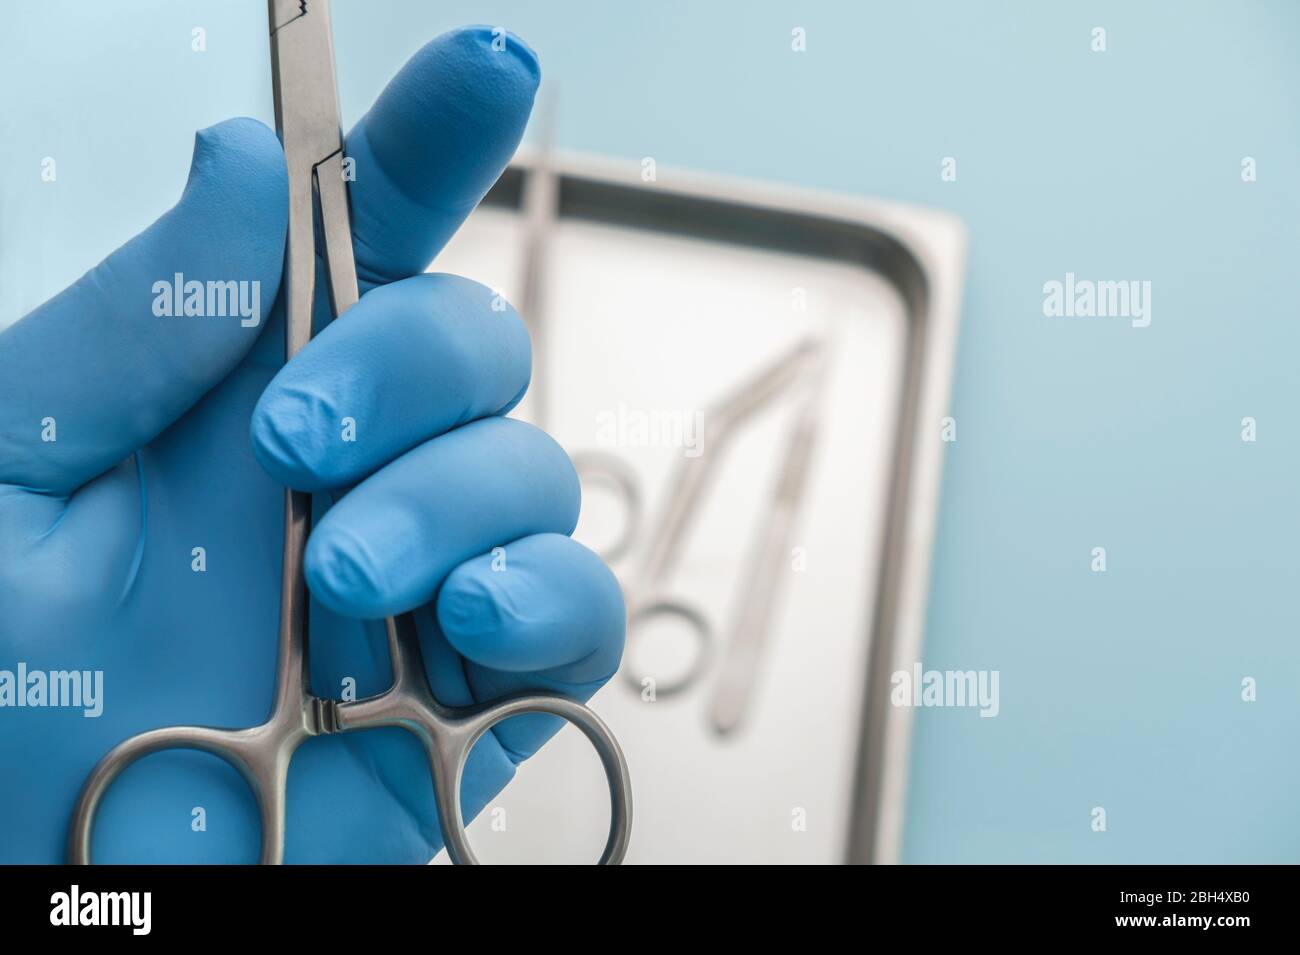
(262,754)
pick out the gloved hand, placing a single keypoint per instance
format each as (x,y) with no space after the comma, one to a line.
(140,527)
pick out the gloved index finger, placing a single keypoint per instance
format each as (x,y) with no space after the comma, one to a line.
(433,144)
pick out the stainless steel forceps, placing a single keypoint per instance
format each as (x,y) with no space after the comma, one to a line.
(800,371)
(307,120)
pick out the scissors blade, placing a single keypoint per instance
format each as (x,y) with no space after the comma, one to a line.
(694,475)
(767,563)
(541,200)
(302,78)
(307,121)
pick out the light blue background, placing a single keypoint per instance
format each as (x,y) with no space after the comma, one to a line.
(1120,689)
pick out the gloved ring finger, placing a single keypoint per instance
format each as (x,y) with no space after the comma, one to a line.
(386,546)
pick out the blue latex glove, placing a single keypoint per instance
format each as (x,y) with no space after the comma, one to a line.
(153,459)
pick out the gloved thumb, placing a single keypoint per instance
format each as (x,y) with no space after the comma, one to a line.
(103,367)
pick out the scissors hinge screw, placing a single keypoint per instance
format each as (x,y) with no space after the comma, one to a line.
(324,716)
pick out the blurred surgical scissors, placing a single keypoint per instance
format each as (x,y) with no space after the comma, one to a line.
(307,119)
(801,370)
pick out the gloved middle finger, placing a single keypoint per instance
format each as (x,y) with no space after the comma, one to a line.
(408,362)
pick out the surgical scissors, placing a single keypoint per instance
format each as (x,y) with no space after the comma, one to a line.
(801,369)
(307,120)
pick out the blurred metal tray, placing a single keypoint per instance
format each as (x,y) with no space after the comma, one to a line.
(920,254)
